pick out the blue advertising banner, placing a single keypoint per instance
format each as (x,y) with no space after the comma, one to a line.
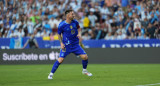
(8,43)
(121,43)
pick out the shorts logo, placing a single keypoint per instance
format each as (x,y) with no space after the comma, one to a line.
(62,54)
(64,50)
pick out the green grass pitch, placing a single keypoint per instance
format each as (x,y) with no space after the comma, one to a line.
(70,75)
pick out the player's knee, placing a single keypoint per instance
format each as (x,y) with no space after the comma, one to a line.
(60,60)
(85,57)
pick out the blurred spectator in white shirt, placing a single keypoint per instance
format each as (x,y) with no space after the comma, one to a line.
(18,23)
(44,33)
(109,36)
(13,26)
(145,14)
(20,33)
(121,36)
(30,26)
(86,36)
(121,29)
(12,34)
(92,18)
(52,22)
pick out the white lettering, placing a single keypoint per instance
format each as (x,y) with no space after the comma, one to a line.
(52,56)
(127,45)
(146,45)
(23,56)
(115,46)
(5,56)
(157,45)
(4,47)
(137,45)
(43,57)
(57,55)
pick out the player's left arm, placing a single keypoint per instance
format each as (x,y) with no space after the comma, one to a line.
(80,38)
(79,34)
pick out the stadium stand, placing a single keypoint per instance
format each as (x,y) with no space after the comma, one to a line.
(99,19)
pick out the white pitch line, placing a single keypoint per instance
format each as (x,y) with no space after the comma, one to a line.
(149,84)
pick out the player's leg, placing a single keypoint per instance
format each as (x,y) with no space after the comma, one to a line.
(84,60)
(56,64)
(63,54)
(84,64)
(55,67)
(80,52)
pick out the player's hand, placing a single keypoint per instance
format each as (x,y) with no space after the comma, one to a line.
(62,46)
(80,38)
(81,44)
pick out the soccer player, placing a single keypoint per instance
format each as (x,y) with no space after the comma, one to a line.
(69,33)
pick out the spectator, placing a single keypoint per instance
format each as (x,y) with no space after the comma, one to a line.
(45,33)
(152,19)
(104,12)
(5,34)
(86,22)
(12,34)
(121,29)
(146,37)
(18,23)
(140,36)
(13,26)
(52,22)
(37,33)
(121,36)
(151,30)
(20,33)
(137,29)
(30,26)
(109,36)
(51,35)
(32,42)
(92,19)
(47,27)
(132,36)
(86,36)
(92,33)
(129,13)
(115,36)
(145,14)
(38,26)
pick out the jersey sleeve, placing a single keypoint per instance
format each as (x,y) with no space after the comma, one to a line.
(60,29)
(77,24)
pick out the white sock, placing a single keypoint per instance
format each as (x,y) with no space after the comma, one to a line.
(84,69)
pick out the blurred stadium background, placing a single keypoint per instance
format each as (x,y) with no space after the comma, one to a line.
(121,37)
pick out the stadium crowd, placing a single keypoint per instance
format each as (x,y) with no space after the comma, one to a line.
(99,19)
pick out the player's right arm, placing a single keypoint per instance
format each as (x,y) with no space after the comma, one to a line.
(61,43)
(60,31)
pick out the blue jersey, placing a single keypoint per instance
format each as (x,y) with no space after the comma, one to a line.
(69,32)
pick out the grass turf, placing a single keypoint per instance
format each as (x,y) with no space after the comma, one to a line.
(70,75)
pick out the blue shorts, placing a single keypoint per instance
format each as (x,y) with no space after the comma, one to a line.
(76,49)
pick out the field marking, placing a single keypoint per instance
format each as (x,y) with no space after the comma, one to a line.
(149,84)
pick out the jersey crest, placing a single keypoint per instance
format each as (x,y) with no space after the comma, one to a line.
(71,27)
(72,31)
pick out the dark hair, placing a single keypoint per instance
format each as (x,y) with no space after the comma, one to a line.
(68,11)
